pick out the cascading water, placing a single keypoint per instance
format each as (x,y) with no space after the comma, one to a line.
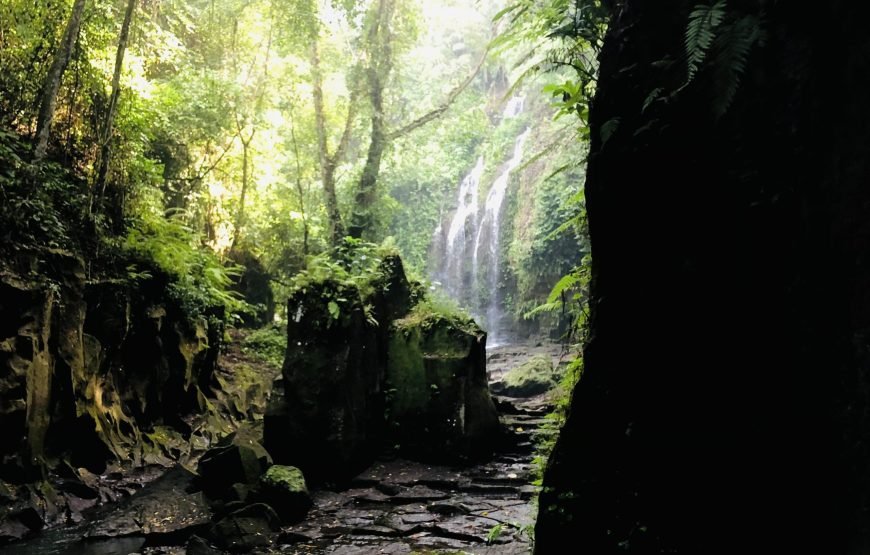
(466,251)
(514,107)
(489,238)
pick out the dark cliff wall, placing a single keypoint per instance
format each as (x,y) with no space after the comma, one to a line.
(86,366)
(725,401)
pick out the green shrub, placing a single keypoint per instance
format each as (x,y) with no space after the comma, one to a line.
(268,344)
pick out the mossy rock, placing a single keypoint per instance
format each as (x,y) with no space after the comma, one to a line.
(438,400)
(332,374)
(533,377)
(284,489)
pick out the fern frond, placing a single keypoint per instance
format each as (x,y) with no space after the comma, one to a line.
(700,34)
(731,59)
(567,282)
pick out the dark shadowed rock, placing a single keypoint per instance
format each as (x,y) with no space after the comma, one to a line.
(331,378)
(394,296)
(246,529)
(255,287)
(237,459)
(284,489)
(198,546)
(724,405)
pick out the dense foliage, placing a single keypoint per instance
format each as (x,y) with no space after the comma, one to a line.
(168,136)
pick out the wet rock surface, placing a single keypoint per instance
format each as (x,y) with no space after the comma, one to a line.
(166,512)
(533,377)
(503,360)
(400,507)
(246,529)
(394,506)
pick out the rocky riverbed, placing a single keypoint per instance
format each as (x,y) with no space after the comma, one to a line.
(396,506)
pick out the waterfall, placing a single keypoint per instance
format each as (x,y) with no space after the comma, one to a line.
(451,270)
(514,107)
(489,238)
(465,252)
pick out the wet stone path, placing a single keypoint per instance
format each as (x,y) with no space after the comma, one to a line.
(402,507)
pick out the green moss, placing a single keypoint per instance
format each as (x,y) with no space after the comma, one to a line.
(284,478)
(431,315)
(537,370)
(408,386)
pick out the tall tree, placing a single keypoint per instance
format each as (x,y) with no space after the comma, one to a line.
(48,100)
(107,128)
(380,56)
(112,109)
(329,161)
(248,121)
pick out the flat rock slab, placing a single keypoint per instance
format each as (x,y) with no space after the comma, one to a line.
(164,508)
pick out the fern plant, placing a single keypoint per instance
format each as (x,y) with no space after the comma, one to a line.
(700,34)
(732,52)
(721,40)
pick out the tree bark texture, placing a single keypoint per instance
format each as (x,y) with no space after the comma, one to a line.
(48,100)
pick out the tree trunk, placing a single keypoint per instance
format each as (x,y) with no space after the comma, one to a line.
(109,121)
(328,163)
(299,190)
(48,100)
(366,192)
(240,213)
(724,405)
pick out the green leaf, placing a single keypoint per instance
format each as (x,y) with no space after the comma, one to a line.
(334,311)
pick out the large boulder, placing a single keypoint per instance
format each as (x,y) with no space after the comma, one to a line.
(438,398)
(284,489)
(331,377)
(237,459)
(368,364)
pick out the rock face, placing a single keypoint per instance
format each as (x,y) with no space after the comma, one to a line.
(85,366)
(724,403)
(341,360)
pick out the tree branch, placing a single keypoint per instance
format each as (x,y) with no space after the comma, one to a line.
(348,128)
(436,113)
